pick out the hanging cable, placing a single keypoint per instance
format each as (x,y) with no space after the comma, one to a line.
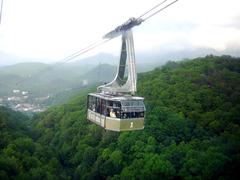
(93,46)
(146,18)
(69,58)
(152,9)
(1,9)
(78,53)
(102,41)
(130,24)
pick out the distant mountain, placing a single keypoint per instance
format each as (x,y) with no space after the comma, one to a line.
(38,78)
(101,73)
(101,58)
(42,79)
(162,55)
(54,79)
(23,69)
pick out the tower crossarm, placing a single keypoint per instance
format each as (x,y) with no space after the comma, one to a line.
(129,24)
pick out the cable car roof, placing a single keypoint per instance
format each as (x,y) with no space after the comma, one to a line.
(116,97)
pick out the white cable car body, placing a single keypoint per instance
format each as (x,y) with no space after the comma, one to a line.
(116,113)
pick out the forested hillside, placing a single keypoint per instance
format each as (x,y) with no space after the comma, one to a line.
(191,131)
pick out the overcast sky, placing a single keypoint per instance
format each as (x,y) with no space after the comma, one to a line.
(49,30)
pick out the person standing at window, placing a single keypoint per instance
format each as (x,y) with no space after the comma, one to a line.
(112,113)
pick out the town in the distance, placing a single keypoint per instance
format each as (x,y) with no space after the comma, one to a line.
(23,100)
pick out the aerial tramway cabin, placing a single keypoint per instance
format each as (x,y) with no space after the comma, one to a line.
(116,113)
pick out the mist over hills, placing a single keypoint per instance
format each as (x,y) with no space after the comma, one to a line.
(158,55)
(64,80)
(51,83)
(49,78)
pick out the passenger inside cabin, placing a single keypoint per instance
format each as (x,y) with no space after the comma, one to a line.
(118,115)
(105,112)
(93,107)
(98,107)
(112,113)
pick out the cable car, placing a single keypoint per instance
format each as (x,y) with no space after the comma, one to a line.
(116,113)
(114,106)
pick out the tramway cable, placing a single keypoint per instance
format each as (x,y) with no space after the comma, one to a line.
(159,10)
(84,50)
(1,10)
(67,59)
(152,9)
(102,40)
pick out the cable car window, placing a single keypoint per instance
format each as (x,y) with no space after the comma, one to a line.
(113,109)
(132,103)
(91,103)
(133,106)
(103,107)
(98,105)
(128,115)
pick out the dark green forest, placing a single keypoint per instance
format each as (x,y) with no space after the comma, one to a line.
(192,131)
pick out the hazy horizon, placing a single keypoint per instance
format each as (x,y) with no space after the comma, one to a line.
(141,57)
(33,32)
